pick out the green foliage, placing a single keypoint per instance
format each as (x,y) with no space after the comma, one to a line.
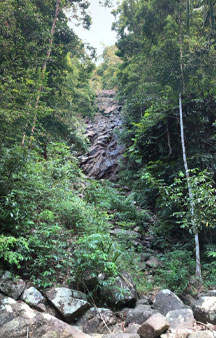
(105,75)
(176,271)
(96,253)
(204,200)
(124,209)
(10,248)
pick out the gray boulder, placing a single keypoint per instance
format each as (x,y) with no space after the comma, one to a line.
(18,320)
(122,292)
(68,302)
(154,326)
(11,286)
(205,309)
(142,301)
(34,298)
(140,314)
(166,301)
(180,319)
(98,320)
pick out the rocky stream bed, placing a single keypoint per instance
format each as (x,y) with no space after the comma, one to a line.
(64,312)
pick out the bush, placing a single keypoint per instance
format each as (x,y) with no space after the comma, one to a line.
(176,271)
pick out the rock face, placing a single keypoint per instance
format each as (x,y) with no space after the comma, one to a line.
(11,286)
(180,319)
(18,320)
(68,302)
(153,327)
(98,320)
(166,301)
(205,309)
(102,159)
(121,293)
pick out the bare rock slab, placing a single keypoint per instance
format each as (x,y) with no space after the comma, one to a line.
(166,301)
(18,320)
(66,301)
(11,286)
(154,326)
(180,319)
(140,314)
(205,309)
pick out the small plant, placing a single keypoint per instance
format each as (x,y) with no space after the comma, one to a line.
(176,271)
(96,253)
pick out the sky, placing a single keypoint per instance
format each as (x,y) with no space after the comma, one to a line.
(100,33)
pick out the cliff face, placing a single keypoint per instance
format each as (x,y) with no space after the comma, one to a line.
(105,151)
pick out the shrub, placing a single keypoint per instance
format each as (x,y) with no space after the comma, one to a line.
(176,271)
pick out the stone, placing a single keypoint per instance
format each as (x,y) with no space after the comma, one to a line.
(176,334)
(140,314)
(202,334)
(68,304)
(122,335)
(153,262)
(34,298)
(133,328)
(142,301)
(11,286)
(121,293)
(154,326)
(18,320)
(180,319)
(166,301)
(205,309)
(98,320)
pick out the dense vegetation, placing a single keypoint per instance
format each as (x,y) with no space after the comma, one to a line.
(54,221)
(168,51)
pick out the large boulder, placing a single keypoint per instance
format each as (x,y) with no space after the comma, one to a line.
(180,319)
(10,285)
(34,298)
(205,309)
(153,327)
(68,302)
(166,301)
(140,314)
(98,320)
(122,292)
(18,320)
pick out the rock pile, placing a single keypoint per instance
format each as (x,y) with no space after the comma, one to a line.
(101,161)
(66,313)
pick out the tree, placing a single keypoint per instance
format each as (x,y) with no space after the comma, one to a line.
(162,62)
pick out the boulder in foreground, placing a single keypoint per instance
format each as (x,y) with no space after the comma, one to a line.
(18,320)
(153,327)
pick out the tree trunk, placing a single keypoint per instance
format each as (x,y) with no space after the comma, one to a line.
(195,228)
